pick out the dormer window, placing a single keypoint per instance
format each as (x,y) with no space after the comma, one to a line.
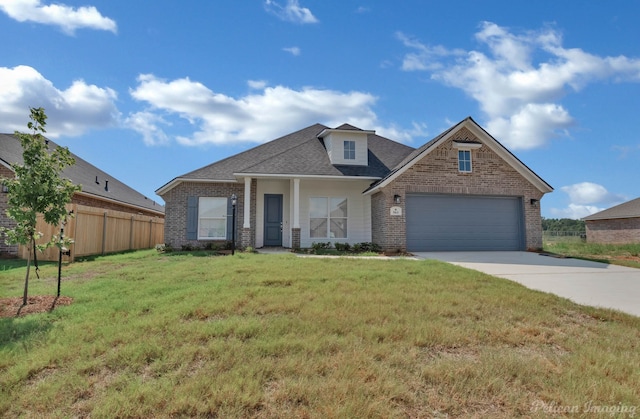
(346,145)
(349,150)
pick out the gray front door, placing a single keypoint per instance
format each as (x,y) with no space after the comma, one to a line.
(272,220)
(464,222)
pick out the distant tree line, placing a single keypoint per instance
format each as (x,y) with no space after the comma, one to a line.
(562,224)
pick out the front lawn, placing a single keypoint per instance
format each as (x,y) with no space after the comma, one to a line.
(251,335)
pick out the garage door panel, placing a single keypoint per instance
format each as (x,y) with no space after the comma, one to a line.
(463,222)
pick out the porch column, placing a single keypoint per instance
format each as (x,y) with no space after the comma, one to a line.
(296,203)
(247,203)
(295,229)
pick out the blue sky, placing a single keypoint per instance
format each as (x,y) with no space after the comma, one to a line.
(148,91)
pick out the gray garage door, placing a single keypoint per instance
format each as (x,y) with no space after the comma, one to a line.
(463,222)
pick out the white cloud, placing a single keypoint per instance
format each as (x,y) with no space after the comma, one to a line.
(257,84)
(71,111)
(67,18)
(591,193)
(293,51)
(260,116)
(519,79)
(147,124)
(291,11)
(575,211)
(586,198)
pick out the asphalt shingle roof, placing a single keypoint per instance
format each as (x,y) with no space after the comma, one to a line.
(629,209)
(303,153)
(85,174)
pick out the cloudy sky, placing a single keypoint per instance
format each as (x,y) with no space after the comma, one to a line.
(149,91)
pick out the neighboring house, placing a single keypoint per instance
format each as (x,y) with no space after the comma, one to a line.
(616,225)
(99,190)
(462,190)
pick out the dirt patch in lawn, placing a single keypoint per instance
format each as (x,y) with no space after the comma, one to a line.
(12,307)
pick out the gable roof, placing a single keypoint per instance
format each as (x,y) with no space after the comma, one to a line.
(480,133)
(301,153)
(629,209)
(85,174)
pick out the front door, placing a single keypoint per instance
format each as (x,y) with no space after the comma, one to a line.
(272,220)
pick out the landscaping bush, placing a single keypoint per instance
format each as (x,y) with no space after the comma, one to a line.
(320,246)
(343,247)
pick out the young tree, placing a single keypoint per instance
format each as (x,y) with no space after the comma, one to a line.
(37,188)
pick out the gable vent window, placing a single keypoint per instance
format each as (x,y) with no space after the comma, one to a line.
(464,161)
(349,150)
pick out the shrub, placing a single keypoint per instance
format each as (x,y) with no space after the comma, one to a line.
(343,247)
(366,247)
(212,246)
(320,246)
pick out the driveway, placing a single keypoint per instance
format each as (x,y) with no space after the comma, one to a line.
(584,282)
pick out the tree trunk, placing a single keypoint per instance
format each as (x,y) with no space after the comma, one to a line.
(26,279)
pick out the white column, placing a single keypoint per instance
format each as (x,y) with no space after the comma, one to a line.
(296,203)
(247,203)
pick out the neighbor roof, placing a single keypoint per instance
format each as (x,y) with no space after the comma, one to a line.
(300,153)
(629,209)
(92,179)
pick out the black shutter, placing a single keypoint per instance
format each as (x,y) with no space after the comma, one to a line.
(229,220)
(192,218)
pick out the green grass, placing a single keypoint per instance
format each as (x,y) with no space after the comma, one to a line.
(263,336)
(618,254)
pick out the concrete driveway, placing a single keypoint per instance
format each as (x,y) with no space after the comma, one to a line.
(584,282)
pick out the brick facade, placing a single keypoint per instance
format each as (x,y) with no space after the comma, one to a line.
(437,172)
(175,231)
(110,205)
(614,231)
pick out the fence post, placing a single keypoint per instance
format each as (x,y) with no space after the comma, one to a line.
(71,232)
(150,232)
(131,233)
(104,232)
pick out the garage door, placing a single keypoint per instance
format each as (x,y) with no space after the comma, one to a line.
(463,222)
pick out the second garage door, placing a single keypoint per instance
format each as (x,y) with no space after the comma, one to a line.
(463,222)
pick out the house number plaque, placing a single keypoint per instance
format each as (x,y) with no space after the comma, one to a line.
(396,210)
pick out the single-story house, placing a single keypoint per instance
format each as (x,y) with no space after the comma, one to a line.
(616,225)
(99,190)
(462,190)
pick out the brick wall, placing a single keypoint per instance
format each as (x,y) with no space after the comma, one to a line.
(175,227)
(438,173)
(110,205)
(617,231)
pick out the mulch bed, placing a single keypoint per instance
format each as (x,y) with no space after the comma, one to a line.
(12,307)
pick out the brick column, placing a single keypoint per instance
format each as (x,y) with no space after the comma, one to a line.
(295,238)
(246,238)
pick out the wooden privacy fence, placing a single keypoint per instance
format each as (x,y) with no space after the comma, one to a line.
(96,231)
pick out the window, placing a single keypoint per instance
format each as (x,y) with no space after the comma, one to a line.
(328,218)
(464,160)
(212,218)
(349,150)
